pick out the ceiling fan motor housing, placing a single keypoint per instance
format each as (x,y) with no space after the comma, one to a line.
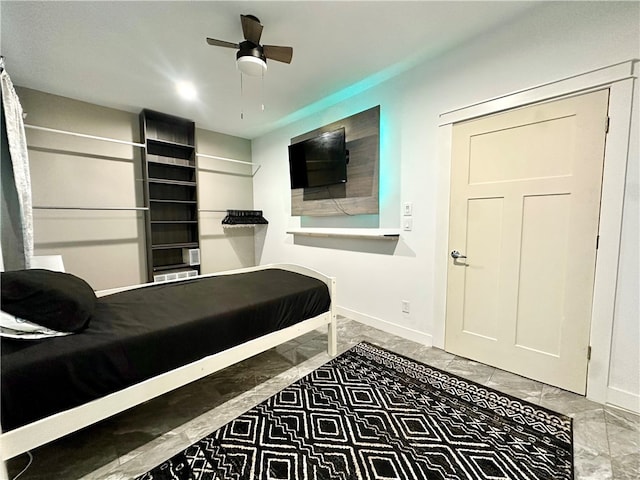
(248,48)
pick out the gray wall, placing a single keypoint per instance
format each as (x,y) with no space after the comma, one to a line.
(107,248)
(223,186)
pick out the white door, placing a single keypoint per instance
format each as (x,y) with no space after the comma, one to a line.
(525,204)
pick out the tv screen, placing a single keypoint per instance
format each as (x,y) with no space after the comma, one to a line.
(319,161)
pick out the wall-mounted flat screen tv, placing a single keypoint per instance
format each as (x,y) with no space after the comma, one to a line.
(319,161)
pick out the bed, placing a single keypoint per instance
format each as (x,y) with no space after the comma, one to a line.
(145,340)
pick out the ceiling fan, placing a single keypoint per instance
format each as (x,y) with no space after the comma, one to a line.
(252,57)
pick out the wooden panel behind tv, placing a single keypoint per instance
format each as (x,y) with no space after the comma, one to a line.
(359,195)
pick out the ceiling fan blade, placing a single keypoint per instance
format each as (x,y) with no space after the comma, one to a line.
(251,28)
(279,54)
(221,43)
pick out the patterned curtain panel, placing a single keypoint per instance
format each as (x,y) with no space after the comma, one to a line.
(16,218)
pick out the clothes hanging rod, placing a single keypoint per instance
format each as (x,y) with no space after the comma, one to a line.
(208,210)
(84,135)
(212,170)
(224,159)
(135,144)
(125,142)
(143,209)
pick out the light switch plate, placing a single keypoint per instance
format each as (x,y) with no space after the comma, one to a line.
(407,208)
(406,307)
(407,224)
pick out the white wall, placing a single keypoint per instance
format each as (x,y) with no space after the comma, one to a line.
(553,41)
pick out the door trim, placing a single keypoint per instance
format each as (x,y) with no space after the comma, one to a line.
(576,84)
(619,79)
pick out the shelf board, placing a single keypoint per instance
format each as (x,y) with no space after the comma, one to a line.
(162,200)
(192,222)
(165,246)
(167,143)
(165,181)
(173,266)
(170,162)
(368,233)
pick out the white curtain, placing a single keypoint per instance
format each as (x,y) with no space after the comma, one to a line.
(16,217)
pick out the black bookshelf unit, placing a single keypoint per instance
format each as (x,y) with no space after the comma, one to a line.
(170,188)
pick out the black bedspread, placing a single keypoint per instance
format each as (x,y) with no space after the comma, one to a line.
(138,334)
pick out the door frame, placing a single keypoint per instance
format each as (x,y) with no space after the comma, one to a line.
(619,79)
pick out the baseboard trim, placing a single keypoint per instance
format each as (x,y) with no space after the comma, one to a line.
(385,326)
(623,399)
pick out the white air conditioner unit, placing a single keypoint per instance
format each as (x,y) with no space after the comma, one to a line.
(191,256)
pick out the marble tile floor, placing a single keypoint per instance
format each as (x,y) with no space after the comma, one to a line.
(606,440)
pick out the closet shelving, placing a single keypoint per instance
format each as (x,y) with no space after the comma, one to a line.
(169,167)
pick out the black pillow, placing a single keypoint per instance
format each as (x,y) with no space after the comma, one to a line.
(55,300)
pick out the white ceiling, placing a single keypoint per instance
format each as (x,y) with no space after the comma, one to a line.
(128,54)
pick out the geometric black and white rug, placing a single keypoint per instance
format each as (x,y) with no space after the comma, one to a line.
(373,414)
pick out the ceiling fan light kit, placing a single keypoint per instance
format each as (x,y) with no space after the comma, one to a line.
(250,59)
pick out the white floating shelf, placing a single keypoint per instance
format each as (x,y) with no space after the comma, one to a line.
(369,233)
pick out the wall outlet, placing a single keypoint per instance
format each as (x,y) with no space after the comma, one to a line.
(406,306)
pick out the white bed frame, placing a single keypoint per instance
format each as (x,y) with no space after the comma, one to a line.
(27,437)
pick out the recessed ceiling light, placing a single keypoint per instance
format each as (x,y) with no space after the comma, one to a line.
(186,90)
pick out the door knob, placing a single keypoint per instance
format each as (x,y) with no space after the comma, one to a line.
(456,254)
